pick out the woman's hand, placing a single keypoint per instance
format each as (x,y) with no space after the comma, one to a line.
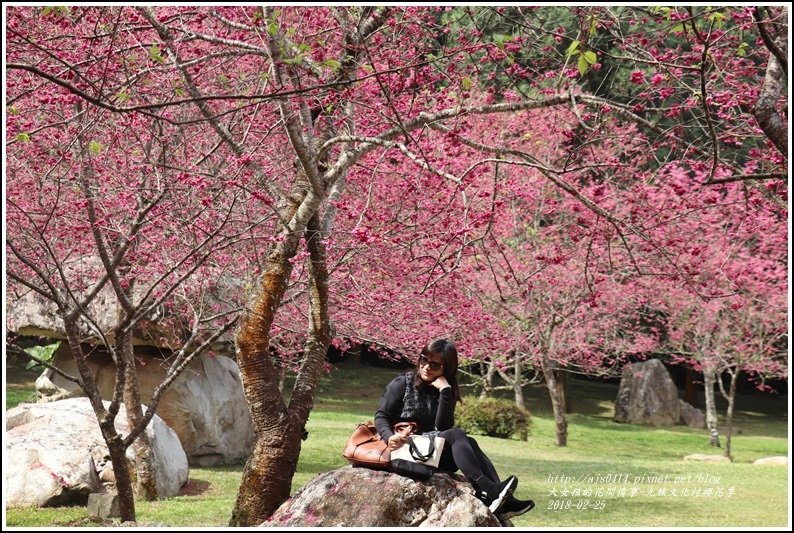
(440,383)
(396,440)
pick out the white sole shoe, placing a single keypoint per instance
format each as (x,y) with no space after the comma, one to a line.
(507,490)
(506,515)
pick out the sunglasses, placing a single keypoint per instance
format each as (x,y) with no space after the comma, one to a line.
(434,366)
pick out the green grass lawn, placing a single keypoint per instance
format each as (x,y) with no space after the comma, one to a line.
(609,475)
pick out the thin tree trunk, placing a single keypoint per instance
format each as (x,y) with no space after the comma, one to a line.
(766,107)
(518,383)
(145,478)
(709,377)
(487,382)
(561,425)
(731,398)
(691,390)
(106,419)
(319,334)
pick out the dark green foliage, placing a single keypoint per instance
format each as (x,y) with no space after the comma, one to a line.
(494,417)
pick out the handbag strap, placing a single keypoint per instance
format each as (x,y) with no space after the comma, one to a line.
(419,456)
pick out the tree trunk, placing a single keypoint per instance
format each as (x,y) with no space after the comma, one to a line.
(145,479)
(267,478)
(105,419)
(766,107)
(731,397)
(121,471)
(518,383)
(487,382)
(563,380)
(709,377)
(560,423)
(319,334)
(268,473)
(691,390)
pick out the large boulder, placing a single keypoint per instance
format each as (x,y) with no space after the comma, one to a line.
(359,497)
(33,315)
(29,313)
(55,449)
(205,404)
(647,395)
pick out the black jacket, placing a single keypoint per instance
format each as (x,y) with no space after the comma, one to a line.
(430,408)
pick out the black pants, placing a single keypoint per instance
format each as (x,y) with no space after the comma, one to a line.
(462,451)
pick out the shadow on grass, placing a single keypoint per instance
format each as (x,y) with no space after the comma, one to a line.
(89,521)
(194,487)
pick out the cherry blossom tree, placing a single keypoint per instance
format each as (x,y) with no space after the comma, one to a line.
(97,229)
(735,319)
(102,221)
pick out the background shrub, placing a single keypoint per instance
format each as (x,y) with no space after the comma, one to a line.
(494,417)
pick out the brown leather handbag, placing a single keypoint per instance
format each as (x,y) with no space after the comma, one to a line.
(366,448)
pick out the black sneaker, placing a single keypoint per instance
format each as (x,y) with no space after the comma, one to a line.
(514,507)
(498,494)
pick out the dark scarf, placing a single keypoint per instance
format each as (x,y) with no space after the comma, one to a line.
(419,404)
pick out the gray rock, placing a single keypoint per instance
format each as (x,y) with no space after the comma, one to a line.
(692,416)
(647,395)
(54,449)
(359,497)
(103,505)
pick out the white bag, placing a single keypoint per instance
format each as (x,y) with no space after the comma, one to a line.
(424,449)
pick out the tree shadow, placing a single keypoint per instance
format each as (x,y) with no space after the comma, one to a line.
(194,487)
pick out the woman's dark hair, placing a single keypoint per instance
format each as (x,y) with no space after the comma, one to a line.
(449,356)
